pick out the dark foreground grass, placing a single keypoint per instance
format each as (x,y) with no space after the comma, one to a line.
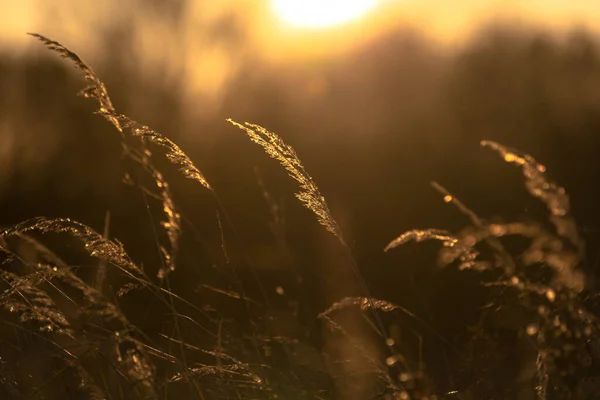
(65,334)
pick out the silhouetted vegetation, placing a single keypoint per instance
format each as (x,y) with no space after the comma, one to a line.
(187,270)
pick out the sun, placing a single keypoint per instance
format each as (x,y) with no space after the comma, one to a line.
(319,14)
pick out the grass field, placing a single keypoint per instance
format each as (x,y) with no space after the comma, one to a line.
(72,294)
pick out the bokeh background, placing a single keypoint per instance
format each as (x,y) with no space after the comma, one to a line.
(376,108)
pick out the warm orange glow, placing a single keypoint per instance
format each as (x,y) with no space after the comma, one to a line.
(291,32)
(317,14)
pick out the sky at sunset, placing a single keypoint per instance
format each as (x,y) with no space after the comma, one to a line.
(449,19)
(265,34)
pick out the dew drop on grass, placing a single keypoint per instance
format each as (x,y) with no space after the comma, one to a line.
(391,360)
(532,329)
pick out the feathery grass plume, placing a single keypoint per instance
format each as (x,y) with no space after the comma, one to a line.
(464,251)
(111,327)
(97,91)
(96,88)
(32,303)
(560,325)
(522,285)
(236,370)
(233,374)
(225,381)
(554,196)
(95,244)
(128,287)
(95,300)
(545,248)
(364,304)
(309,194)
(111,331)
(174,153)
(541,239)
(52,267)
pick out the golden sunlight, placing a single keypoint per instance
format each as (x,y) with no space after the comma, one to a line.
(318,14)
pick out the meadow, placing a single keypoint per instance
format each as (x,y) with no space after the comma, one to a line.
(197,313)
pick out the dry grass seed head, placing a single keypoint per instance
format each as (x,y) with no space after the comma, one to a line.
(553,195)
(98,91)
(92,296)
(174,154)
(363,303)
(94,243)
(309,194)
(457,248)
(32,303)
